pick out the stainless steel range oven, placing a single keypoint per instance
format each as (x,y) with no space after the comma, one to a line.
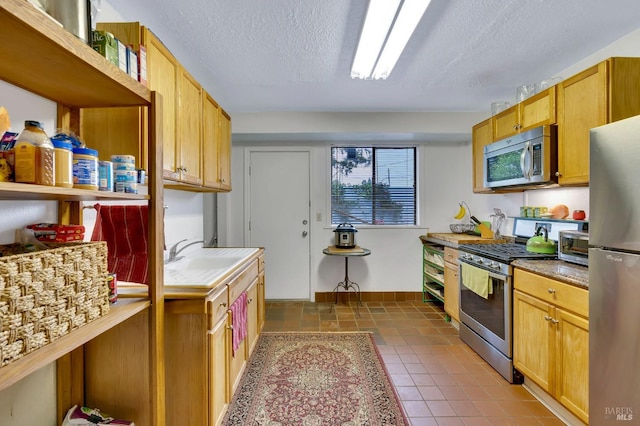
(486,293)
(486,319)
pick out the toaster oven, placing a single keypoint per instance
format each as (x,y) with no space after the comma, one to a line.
(573,246)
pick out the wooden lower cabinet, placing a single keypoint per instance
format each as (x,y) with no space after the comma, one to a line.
(451,284)
(252,317)
(202,372)
(572,359)
(551,338)
(218,339)
(533,339)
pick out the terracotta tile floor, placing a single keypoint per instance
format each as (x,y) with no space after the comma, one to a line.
(439,379)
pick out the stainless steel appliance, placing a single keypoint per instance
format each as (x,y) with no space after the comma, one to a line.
(614,268)
(528,158)
(345,235)
(74,15)
(486,323)
(573,246)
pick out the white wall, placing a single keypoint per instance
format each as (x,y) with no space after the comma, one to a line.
(444,174)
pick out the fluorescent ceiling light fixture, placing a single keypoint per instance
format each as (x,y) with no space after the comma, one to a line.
(386,31)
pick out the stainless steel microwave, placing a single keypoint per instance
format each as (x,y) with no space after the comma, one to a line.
(528,158)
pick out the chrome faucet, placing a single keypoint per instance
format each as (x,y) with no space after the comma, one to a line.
(174,251)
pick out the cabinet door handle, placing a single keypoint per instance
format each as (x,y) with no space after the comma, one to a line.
(547,318)
(551,291)
(223,304)
(554,321)
(558,174)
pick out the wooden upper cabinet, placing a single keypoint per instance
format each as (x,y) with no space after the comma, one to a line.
(602,94)
(124,130)
(538,110)
(210,137)
(163,72)
(216,148)
(582,100)
(189,137)
(482,135)
(224,151)
(195,132)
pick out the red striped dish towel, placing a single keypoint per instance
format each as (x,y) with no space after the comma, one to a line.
(239,321)
(125,229)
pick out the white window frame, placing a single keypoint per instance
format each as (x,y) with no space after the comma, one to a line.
(390,144)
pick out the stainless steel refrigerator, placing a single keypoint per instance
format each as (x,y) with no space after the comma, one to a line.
(614,274)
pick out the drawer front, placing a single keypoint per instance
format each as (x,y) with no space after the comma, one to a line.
(555,292)
(242,281)
(451,255)
(217,306)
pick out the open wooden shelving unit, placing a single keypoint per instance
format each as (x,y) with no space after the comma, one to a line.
(116,359)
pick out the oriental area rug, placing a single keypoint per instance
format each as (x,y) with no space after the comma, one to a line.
(314,379)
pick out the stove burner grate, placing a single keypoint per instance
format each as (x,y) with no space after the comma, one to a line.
(505,252)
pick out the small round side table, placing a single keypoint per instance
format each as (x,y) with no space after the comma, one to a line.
(347,284)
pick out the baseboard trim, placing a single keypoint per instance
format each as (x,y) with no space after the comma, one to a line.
(554,406)
(369,296)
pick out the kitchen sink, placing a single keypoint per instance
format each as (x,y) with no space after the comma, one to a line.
(203,266)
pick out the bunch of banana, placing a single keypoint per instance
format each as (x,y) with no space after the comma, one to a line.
(461,212)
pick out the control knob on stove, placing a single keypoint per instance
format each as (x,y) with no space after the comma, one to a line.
(494,265)
(477,259)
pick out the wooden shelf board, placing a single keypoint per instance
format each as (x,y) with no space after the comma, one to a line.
(434,292)
(25,191)
(119,312)
(43,58)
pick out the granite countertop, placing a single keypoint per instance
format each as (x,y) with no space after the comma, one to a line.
(560,270)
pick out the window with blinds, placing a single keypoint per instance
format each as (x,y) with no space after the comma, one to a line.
(373,185)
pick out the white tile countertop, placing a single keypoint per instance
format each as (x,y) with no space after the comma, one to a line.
(201,267)
(198,268)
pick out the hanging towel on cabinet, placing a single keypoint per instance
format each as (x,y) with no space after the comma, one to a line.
(239,321)
(125,229)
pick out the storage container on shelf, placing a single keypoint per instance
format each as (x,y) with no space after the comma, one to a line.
(85,168)
(125,173)
(34,155)
(105,176)
(63,155)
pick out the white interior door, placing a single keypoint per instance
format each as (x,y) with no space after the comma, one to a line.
(279,208)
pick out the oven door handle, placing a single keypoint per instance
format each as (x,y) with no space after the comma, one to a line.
(498,277)
(501,277)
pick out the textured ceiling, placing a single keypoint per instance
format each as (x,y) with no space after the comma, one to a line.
(295,55)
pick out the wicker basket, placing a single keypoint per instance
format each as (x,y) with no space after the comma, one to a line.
(46,294)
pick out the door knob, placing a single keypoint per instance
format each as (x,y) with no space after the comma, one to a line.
(304,234)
